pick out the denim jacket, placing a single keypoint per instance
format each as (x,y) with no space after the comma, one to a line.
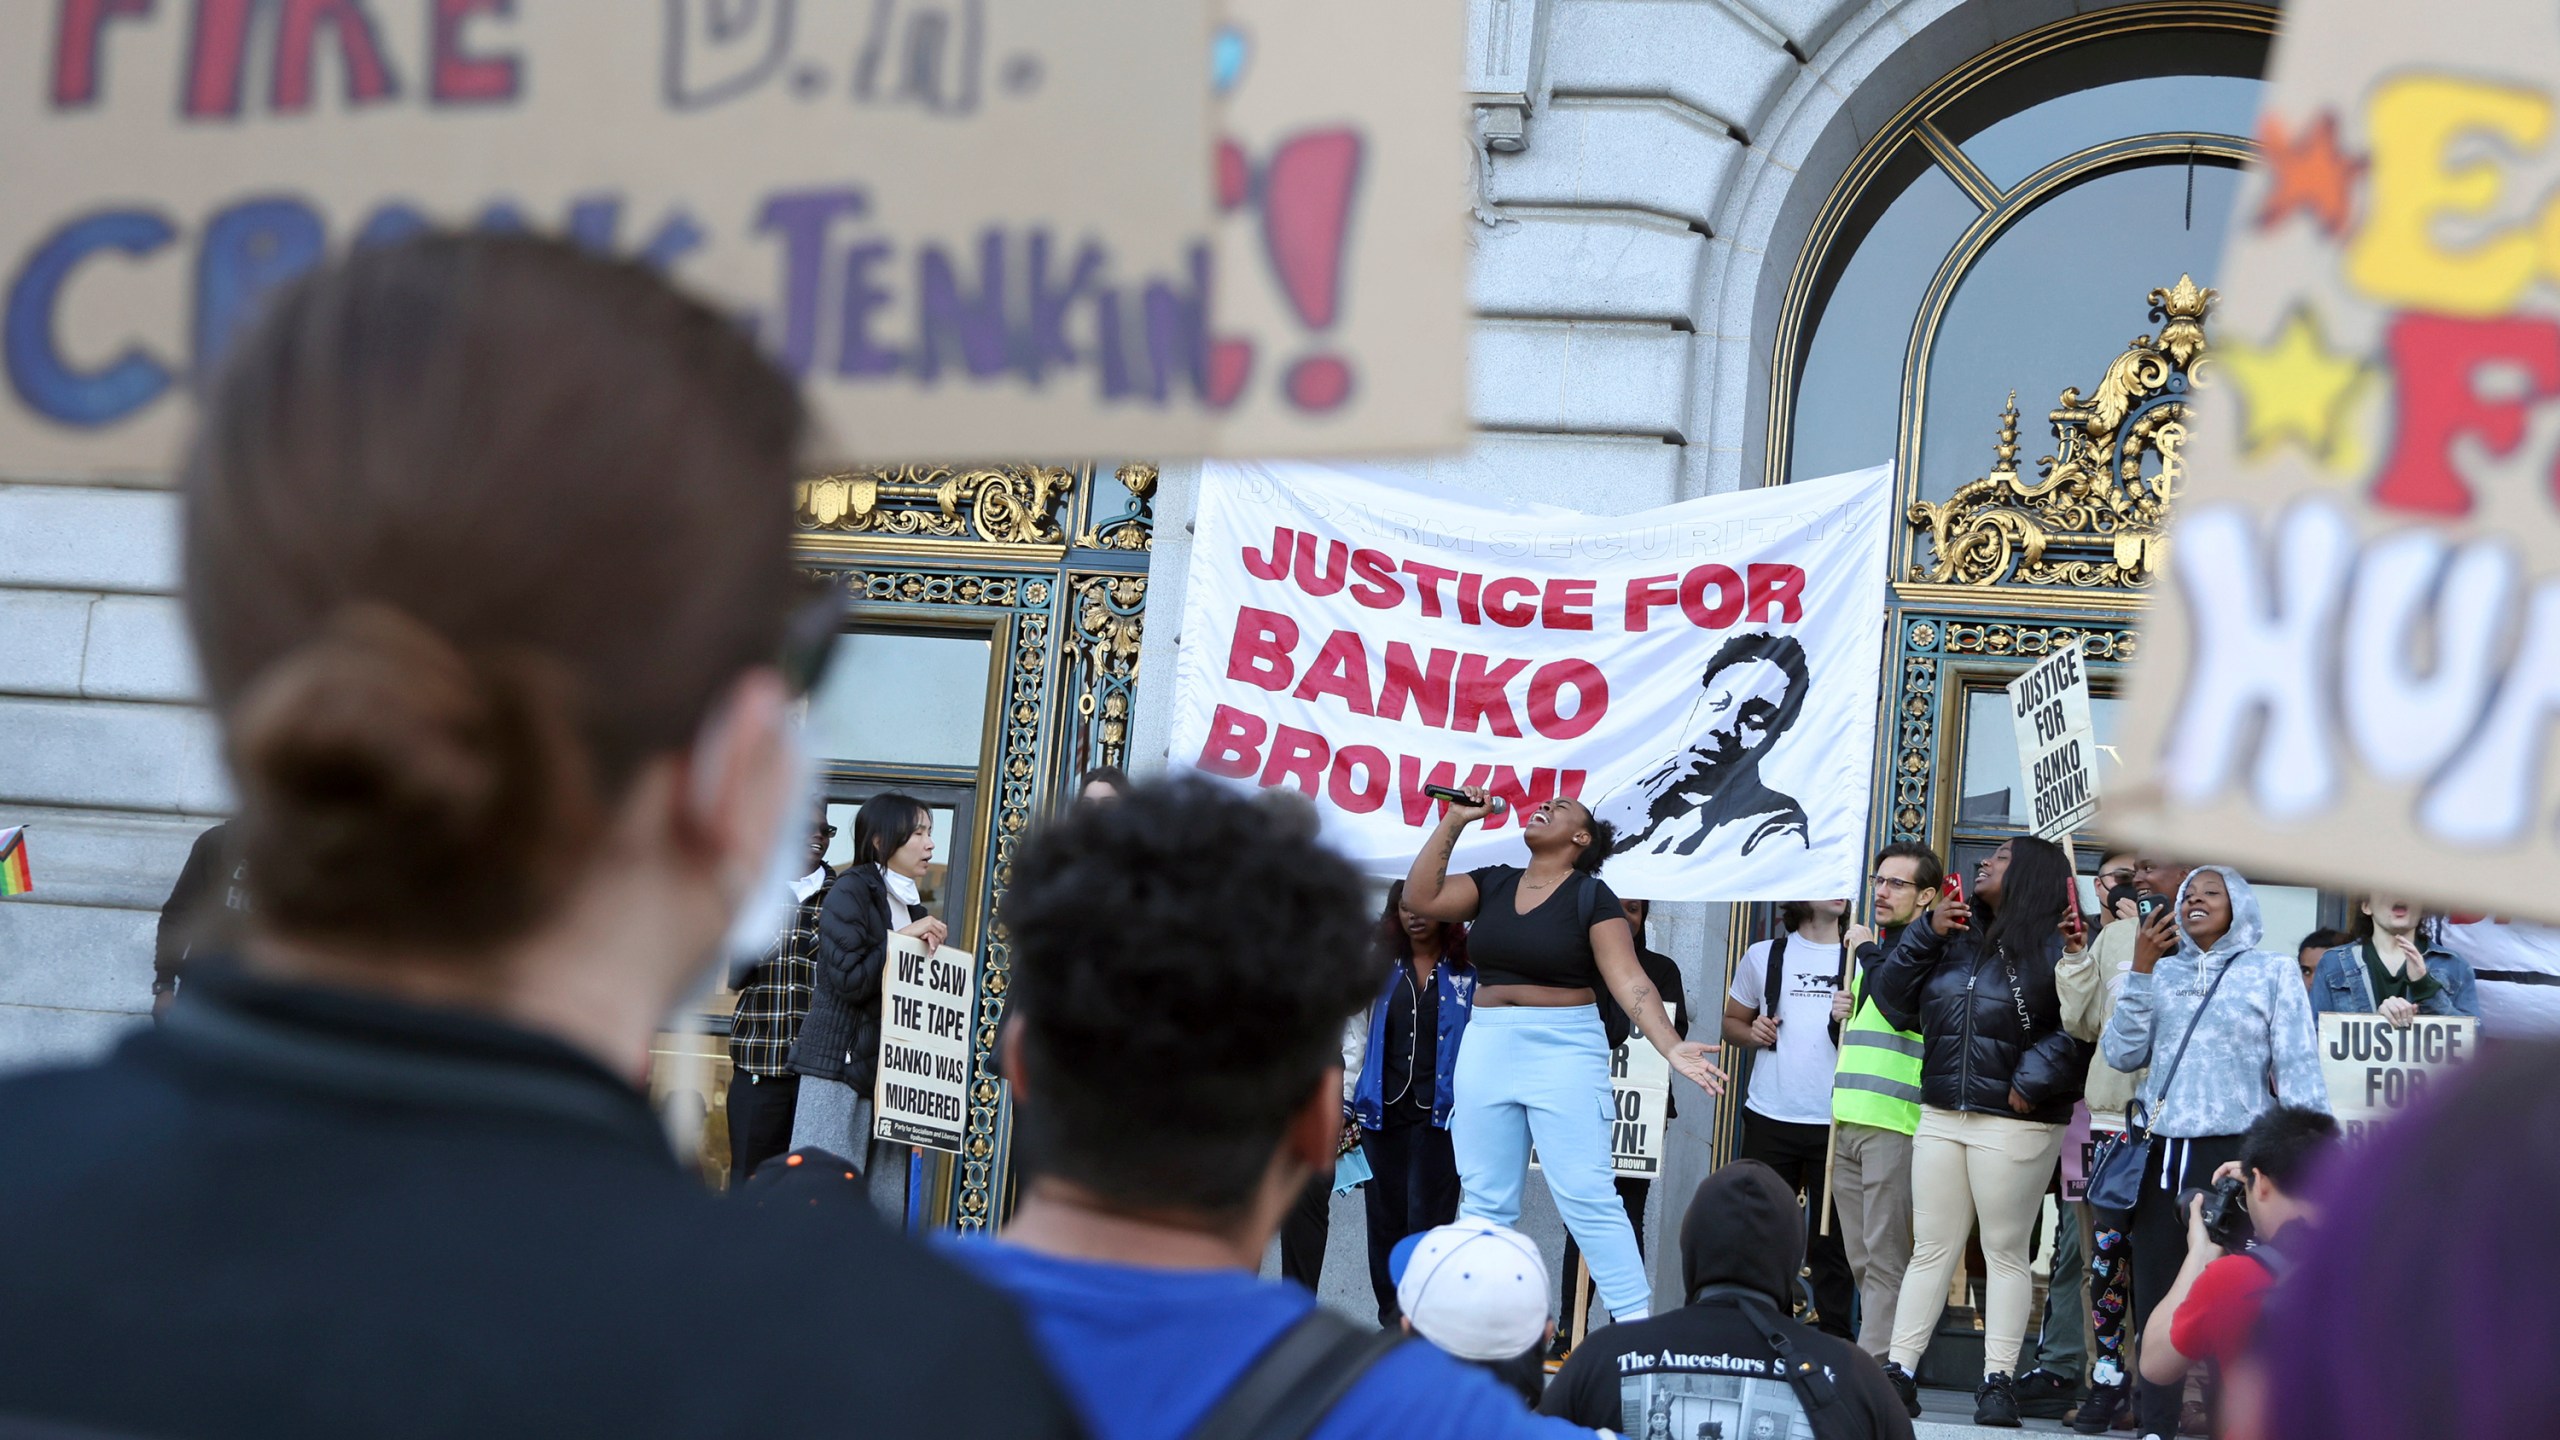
(1457,982)
(2341,984)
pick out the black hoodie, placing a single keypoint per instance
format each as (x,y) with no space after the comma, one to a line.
(1708,1370)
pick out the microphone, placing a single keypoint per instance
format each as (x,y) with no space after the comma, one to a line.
(1456,796)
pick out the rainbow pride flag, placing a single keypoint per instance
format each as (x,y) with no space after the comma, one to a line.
(14,876)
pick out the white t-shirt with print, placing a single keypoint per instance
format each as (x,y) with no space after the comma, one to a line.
(1792,1083)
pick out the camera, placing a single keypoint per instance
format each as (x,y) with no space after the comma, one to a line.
(2226,1213)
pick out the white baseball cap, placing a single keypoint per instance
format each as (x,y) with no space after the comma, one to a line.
(1475,1289)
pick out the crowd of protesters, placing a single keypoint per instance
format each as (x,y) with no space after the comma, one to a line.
(386,1166)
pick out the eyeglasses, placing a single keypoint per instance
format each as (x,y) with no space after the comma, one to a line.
(1890,883)
(809,635)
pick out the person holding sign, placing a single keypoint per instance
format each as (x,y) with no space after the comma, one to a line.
(838,1054)
(1536,1058)
(1998,1075)
(1789,996)
(2384,970)
(2227,1034)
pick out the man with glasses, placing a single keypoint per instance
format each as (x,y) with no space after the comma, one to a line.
(1875,1102)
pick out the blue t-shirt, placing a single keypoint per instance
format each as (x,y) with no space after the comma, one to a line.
(1143,1354)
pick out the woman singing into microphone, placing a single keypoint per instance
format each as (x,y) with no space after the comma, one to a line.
(1534,1063)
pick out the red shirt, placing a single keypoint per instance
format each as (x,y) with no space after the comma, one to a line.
(2221,1310)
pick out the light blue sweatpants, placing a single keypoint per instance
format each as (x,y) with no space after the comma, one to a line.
(1531,1071)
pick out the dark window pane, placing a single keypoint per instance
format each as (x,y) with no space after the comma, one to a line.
(2054,300)
(2012,149)
(1848,400)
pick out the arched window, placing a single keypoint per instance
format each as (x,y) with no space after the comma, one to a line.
(2001,231)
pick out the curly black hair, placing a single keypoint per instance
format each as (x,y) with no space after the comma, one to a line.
(1183,962)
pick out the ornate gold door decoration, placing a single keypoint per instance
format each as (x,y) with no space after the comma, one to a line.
(2097,515)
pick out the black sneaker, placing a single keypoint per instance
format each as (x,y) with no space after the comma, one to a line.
(2097,1413)
(1996,1403)
(2043,1395)
(1904,1386)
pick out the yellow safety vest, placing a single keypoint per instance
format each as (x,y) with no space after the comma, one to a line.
(1878,1080)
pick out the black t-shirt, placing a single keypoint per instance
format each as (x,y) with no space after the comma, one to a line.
(1551,945)
(1706,1370)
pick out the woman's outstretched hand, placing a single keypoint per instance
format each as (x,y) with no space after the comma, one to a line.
(1696,1059)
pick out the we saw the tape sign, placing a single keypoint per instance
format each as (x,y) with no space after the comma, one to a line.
(926,1000)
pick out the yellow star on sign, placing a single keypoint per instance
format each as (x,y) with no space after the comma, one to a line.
(2294,389)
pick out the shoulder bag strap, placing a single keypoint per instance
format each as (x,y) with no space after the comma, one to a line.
(1772,975)
(1806,1376)
(2169,1078)
(1292,1386)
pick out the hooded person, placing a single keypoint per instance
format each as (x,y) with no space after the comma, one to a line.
(1732,1354)
(2228,1035)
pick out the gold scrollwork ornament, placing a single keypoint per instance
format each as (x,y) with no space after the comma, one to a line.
(2097,514)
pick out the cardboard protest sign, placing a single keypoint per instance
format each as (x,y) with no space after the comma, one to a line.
(1640,1087)
(2057,742)
(926,1000)
(2375,1069)
(2353,666)
(1341,179)
(973,229)
(1703,676)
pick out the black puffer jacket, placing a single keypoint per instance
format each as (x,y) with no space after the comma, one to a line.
(1985,1026)
(841,1038)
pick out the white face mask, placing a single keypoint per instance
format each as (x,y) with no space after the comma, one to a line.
(767,904)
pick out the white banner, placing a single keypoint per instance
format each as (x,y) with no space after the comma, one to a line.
(921,1095)
(1704,676)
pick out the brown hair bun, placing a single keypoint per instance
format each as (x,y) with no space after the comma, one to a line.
(478,528)
(391,785)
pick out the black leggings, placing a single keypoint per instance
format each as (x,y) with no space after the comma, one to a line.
(2159,1233)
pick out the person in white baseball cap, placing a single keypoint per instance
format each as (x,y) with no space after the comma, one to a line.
(1478,1292)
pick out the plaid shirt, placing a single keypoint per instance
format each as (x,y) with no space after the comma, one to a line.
(776,996)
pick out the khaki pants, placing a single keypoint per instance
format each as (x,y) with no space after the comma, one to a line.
(1871,1212)
(1964,1166)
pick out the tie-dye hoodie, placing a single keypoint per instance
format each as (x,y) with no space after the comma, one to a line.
(2256,1046)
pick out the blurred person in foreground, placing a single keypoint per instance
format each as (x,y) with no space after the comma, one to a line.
(487,549)
(2213,1308)
(1732,1351)
(1183,962)
(2421,1308)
